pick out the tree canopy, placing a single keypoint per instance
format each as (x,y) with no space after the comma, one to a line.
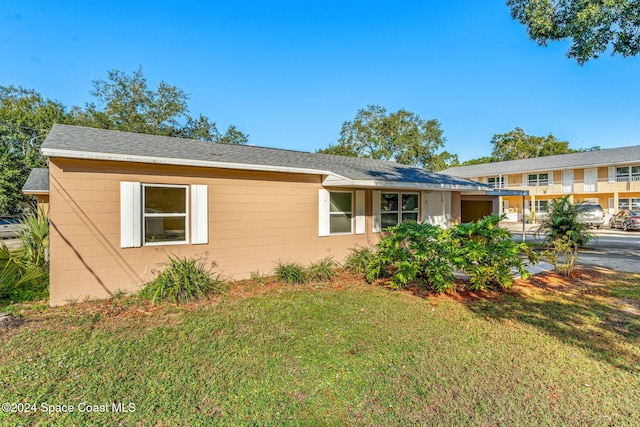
(122,102)
(401,136)
(126,103)
(517,145)
(25,119)
(593,25)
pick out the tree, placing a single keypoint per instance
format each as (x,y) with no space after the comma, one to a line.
(25,120)
(479,161)
(593,25)
(517,145)
(401,136)
(127,104)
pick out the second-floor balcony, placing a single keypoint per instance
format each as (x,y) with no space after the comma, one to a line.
(602,185)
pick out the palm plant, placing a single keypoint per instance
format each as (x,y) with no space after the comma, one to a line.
(34,237)
(24,270)
(563,221)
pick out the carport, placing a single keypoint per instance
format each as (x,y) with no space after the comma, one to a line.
(475,206)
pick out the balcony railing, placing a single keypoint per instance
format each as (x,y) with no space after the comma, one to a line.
(579,187)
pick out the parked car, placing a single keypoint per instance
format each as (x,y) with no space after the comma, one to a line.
(9,226)
(627,220)
(590,214)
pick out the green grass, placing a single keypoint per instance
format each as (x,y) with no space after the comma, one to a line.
(334,355)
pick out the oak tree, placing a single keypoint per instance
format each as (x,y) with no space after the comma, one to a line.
(592,25)
(401,136)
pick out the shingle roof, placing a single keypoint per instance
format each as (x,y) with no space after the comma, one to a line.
(606,157)
(90,143)
(37,182)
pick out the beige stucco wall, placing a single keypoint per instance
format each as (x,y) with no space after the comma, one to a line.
(255,219)
(456,207)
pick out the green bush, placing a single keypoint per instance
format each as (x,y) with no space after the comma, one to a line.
(183,280)
(488,254)
(323,270)
(562,255)
(562,220)
(420,253)
(19,280)
(358,260)
(290,272)
(428,255)
(34,237)
(24,271)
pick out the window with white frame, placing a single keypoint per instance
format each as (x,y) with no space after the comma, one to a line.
(398,207)
(163,214)
(628,173)
(629,204)
(496,181)
(541,205)
(165,210)
(538,179)
(340,212)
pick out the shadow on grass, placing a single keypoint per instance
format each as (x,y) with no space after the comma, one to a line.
(583,312)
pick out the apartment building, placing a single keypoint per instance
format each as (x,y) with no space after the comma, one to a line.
(609,177)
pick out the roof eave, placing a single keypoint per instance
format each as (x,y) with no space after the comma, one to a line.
(330,181)
(90,155)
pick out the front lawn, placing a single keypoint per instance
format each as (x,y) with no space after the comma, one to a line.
(552,351)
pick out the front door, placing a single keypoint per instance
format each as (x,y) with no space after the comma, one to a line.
(567,181)
(591,180)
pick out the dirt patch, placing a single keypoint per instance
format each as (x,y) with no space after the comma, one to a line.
(580,278)
(9,322)
(585,280)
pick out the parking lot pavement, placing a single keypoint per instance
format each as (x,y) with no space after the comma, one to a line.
(11,243)
(613,249)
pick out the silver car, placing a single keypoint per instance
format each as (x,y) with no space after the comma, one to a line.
(9,226)
(590,214)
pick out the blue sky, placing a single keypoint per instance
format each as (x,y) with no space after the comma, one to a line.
(289,73)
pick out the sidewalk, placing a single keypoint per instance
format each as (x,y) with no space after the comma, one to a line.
(516,227)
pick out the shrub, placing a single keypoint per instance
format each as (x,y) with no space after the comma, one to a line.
(488,254)
(19,280)
(562,255)
(323,270)
(562,220)
(412,252)
(290,272)
(24,271)
(34,237)
(358,260)
(183,280)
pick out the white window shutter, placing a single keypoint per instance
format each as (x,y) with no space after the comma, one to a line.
(360,212)
(199,214)
(376,198)
(525,179)
(551,178)
(130,214)
(324,206)
(505,178)
(424,207)
(446,200)
(612,174)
